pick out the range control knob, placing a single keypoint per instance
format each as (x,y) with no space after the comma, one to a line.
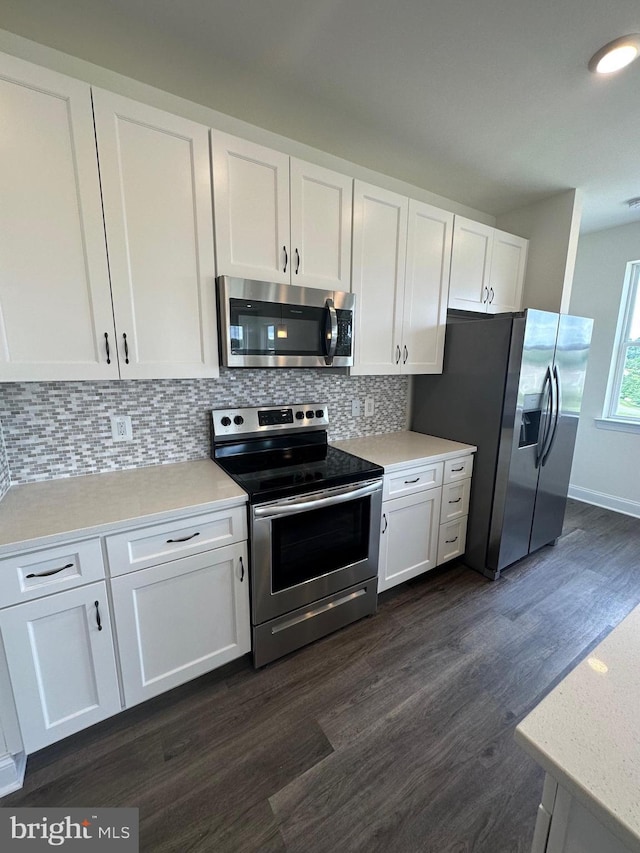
(319,413)
(225,421)
(299,416)
(309,414)
(238,420)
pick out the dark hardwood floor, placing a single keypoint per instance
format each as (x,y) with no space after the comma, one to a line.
(394,734)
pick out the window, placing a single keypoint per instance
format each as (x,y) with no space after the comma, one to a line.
(624,382)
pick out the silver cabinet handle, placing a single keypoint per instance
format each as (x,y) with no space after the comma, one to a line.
(297,261)
(406,355)
(286,258)
(491,300)
(449,541)
(397,354)
(486,294)
(50,572)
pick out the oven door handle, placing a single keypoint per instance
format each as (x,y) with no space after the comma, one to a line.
(338,497)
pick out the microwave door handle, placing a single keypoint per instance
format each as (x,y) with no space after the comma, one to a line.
(331,332)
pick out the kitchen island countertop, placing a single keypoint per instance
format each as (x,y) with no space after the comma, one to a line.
(397,450)
(585,733)
(40,514)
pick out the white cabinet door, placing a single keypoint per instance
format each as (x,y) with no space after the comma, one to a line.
(408,537)
(320,227)
(508,263)
(379,254)
(181,619)
(251,202)
(55,303)
(156,188)
(470,265)
(60,655)
(426,288)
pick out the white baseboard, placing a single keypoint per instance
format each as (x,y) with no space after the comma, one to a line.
(589,496)
(12,769)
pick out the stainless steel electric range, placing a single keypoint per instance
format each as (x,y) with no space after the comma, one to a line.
(314,521)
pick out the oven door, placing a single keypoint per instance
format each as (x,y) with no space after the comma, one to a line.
(306,547)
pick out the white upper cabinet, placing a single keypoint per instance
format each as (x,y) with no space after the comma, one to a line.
(320,227)
(487,268)
(401,255)
(508,265)
(251,200)
(279,219)
(470,265)
(156,186)
(426,288)
(379,254)
(55,303)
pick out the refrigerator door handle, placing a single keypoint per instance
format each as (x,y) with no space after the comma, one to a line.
(548,412)
(556,415)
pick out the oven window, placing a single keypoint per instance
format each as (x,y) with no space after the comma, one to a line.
(310,544)
(266,328)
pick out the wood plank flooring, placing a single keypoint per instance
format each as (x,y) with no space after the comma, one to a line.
(394,734)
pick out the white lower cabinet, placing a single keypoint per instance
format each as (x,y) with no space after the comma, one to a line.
(424,518)
(181,619)
(61,661)
(409,537)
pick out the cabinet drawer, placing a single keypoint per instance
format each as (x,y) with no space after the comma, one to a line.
(159,543)
(28,576)
(455,500)
(458,469)
(411,480)
(452,539)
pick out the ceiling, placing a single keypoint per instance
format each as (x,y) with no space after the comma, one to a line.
(486,102)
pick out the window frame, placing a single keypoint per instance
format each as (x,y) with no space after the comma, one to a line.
(628,304)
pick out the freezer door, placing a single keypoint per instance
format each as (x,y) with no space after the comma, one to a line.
(568,371)
(525,423)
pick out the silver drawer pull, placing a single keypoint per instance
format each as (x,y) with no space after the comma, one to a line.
(455,470)
(184,538)
(449,541)
(417,480)
(51,572)
(457,501)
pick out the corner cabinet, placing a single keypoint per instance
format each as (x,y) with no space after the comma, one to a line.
(57,277)
(401,256)
(156,187)
(278,218)
(487,268)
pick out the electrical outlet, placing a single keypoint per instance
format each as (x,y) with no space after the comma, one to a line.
(355,408)
(369,406)
(121,428)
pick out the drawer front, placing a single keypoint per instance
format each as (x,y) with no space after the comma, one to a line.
(32,575)
(455,500)
(452,539)
(401,483)
(458,469)
(159,543)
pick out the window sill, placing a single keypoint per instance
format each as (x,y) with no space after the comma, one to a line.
(618,426)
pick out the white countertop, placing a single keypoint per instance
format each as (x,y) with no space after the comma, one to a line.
(397,450)
(44,513)
(586,732)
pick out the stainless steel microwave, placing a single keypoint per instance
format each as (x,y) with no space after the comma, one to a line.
(265,324)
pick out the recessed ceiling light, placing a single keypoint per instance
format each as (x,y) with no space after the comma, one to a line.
(616,54)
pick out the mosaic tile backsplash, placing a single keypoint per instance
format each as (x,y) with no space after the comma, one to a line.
(62,429)
(5,478)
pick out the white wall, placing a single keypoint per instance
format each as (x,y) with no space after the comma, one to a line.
(606,464)
(552,226)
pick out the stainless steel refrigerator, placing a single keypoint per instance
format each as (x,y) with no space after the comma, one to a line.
(512,385)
